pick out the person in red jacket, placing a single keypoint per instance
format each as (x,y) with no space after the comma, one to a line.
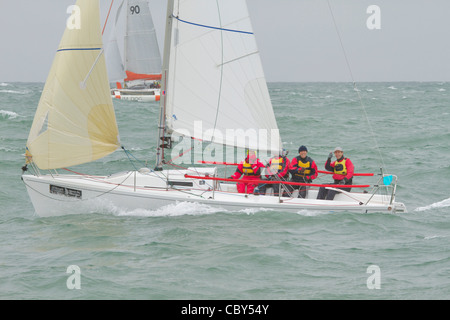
(277,170)
(342,170)
(303,169)
(250,169)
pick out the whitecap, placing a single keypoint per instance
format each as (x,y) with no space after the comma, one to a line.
(3,84)
(172,210)
(440,204)
(14,91)
(250,211)
(8,114)
(433,237)
(392,88)
(312,213)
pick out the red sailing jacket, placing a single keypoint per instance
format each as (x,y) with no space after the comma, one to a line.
(256,167)
(349,168)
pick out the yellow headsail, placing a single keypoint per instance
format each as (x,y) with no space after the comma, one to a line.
(75,121)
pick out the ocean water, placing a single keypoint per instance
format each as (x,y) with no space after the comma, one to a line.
(193,252)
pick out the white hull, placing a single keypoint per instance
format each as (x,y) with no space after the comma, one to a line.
(143,95)
(53,195)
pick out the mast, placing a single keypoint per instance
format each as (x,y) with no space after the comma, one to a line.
(125,40)
(161,142)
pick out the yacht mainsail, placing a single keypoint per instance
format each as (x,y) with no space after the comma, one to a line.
(214,84)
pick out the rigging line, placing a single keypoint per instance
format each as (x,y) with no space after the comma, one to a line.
(129,153)
(354,84)
(211,27)
(107,17)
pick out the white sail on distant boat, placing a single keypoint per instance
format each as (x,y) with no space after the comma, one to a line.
(138,64)
(203,90)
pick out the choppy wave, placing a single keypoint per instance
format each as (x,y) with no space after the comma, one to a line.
(14,91)
(177,209)
(8,114)
(434,237)
(306,255)
(182,209)
(313,213)
(440,204)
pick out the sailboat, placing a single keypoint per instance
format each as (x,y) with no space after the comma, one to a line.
(138,65)
(211,71)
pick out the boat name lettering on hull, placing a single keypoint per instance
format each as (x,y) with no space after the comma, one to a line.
(68,192)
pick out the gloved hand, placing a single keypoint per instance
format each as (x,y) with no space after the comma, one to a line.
(301,170)
(342,181)
(330,155)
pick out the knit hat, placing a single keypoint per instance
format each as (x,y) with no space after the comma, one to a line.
(302,148)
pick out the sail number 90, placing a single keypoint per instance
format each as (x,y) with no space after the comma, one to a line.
(135,9)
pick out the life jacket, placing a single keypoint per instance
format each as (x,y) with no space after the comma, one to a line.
(247,169)
(339,167)
(306,165)
(276,165)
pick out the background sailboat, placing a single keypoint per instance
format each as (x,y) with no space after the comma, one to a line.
(132,53)
(217,95)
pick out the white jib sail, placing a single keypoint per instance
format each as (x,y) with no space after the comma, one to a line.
(113,54)
(216,89)
(75,121)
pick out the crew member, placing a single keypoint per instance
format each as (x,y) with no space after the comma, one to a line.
(277,170)
(249,169)
(303,169)
(342,170)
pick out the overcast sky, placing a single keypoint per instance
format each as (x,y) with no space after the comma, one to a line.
(297,39)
